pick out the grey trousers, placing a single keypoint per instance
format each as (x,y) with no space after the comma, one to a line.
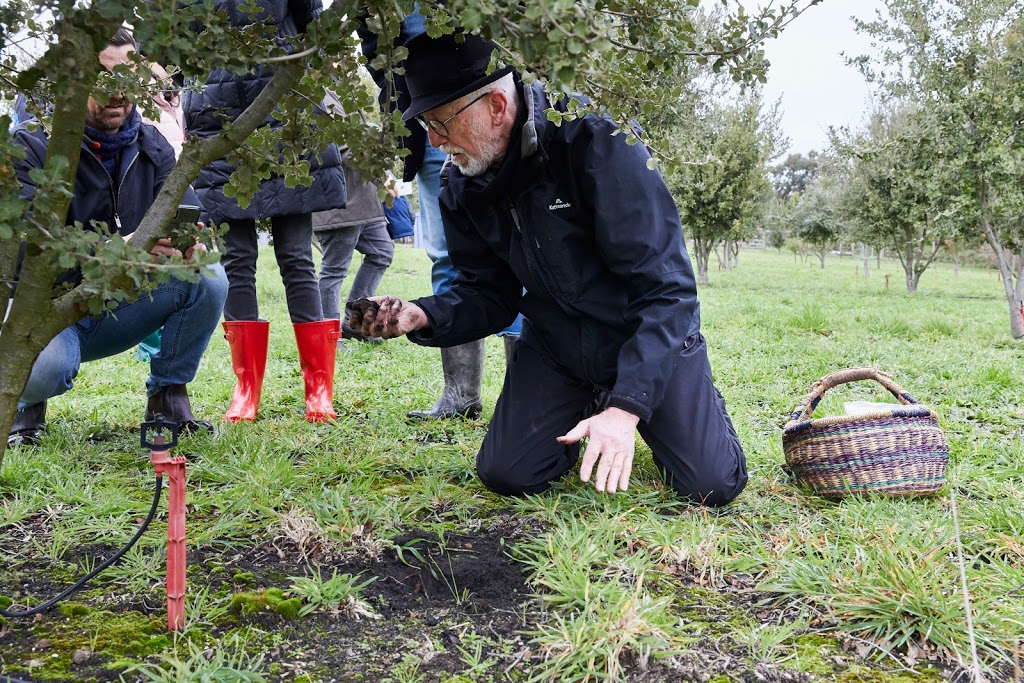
(294,253)
(373,242)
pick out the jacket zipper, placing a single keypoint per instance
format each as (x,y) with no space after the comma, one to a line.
(531,262)
(537,274)
(515,219)
(117,194)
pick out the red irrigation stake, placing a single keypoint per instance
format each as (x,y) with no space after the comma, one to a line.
(174,468)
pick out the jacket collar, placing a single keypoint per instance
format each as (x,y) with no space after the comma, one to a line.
(526,148)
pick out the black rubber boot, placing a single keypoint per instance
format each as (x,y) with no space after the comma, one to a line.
(28,427)
(463,368)
(172,402)
(509,340)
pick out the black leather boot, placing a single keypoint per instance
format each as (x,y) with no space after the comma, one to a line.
(172,402)
(29,425)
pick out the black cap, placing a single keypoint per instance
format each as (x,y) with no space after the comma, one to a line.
(441,70)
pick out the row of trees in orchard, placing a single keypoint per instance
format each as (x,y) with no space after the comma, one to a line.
(939,164)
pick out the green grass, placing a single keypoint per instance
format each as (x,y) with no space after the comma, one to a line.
(624,579)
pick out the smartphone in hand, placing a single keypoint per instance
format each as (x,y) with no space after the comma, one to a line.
(184,231)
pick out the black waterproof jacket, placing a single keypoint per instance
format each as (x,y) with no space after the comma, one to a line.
(576,218)
(119,202)
(226,95)
(122,202)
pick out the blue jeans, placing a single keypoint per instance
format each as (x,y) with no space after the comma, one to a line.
(373,242)
(442,272)
(188,312)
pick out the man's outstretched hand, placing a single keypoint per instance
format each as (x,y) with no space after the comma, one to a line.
(611,436)
(385,316)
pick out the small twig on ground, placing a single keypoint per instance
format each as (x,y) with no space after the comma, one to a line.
(1016,663)
(519,657)
(881,649)
(976,674)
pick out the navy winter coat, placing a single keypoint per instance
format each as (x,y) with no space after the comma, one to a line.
(576,218)
(226,95)
(142,168)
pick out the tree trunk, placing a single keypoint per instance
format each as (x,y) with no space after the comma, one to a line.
(702,250)
(1013,283)
(33,322)
(702,271)
(865,253)
(908,268)
(912,279)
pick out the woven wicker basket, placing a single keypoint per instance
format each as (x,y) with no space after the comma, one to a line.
(899,452)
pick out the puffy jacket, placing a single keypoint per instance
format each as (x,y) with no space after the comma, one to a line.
(574,216)
(399,220)
(226,95)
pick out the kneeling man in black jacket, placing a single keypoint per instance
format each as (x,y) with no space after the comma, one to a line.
(569,226)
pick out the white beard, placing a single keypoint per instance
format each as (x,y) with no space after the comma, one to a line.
(491,151)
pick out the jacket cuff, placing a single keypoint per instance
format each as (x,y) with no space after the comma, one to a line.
(630,406)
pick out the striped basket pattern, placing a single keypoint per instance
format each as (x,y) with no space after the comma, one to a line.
(900,451)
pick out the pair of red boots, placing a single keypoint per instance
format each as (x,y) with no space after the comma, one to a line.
(317,343)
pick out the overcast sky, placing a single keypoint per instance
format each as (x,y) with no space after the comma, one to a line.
(818,90)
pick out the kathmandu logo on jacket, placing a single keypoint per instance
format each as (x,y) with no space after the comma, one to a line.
(559,204)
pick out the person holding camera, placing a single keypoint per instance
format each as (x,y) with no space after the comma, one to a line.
(123,165)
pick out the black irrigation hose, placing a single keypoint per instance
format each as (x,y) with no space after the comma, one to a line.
(82,581)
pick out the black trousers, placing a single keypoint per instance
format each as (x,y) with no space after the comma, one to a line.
(693,441)
(293,249)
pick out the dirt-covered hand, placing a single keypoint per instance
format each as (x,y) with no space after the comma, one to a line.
(611,436)
(385,316)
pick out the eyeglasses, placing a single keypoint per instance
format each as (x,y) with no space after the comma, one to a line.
(441,127)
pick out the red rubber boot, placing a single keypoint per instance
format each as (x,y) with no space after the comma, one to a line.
(248,342)
(318,342)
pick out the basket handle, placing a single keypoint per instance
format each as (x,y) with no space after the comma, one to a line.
(845,376)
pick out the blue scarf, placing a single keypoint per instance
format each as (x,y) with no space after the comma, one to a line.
(107,146)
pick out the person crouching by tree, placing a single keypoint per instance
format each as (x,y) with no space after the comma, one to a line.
(611,344)
(207,111)
(123,165)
